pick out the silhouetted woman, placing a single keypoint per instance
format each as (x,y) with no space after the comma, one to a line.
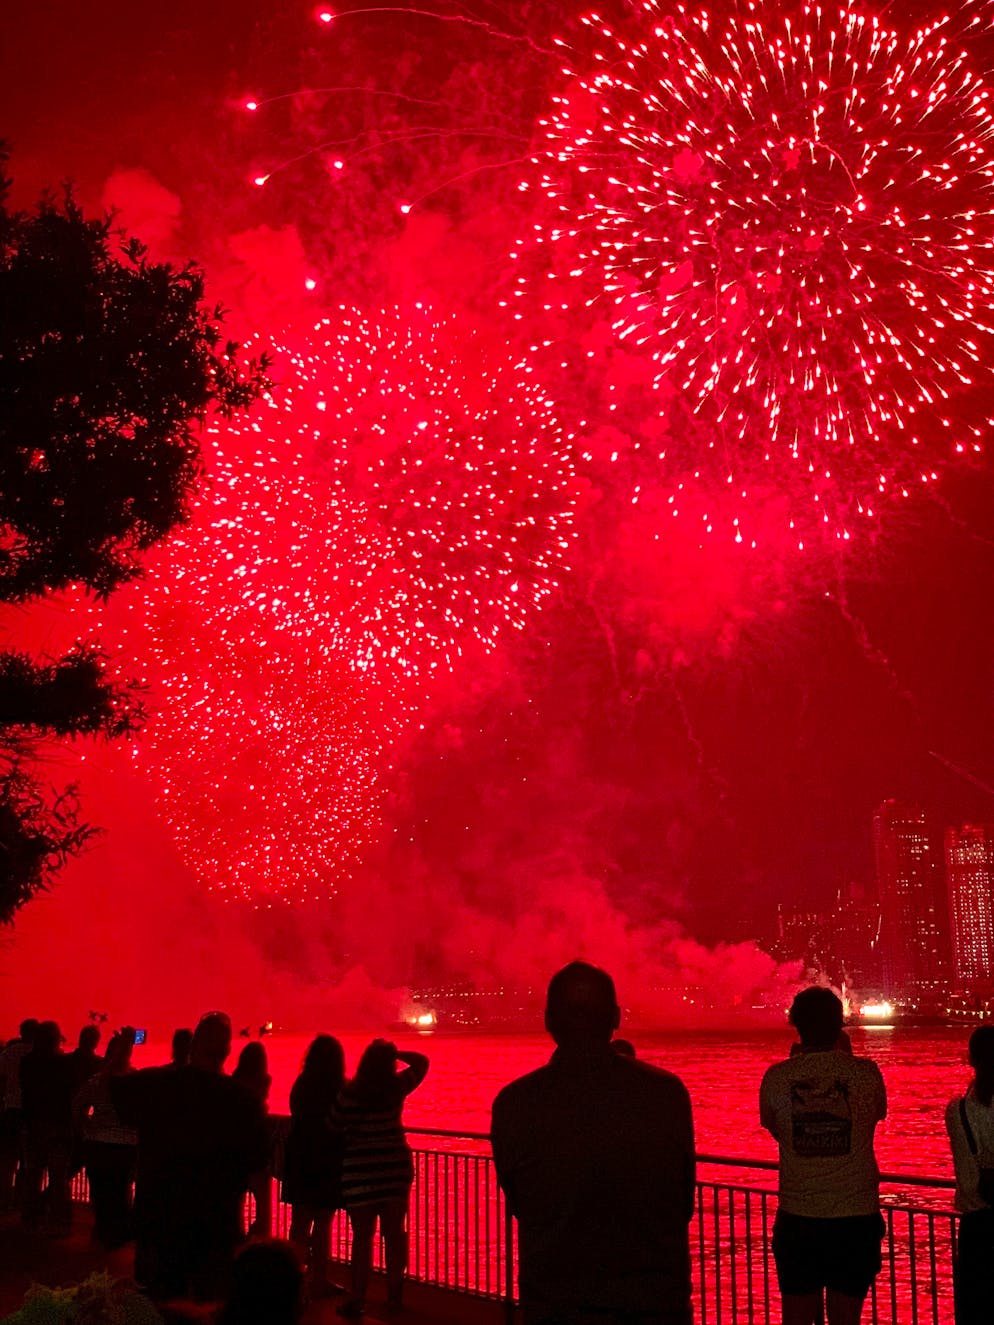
(110,1150)
(252,1071)
(970,1124)
(378,1169)
(312,1174)
(252,1074)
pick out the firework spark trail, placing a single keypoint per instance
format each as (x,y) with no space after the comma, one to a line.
(350,152)
(329,16)
(790,211)
(402,492)
(704,765)
(873,653)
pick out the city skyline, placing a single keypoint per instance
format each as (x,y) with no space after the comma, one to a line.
(922,930)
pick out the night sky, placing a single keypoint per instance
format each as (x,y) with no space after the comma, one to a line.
(681,737)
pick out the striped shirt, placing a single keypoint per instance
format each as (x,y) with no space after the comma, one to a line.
(97,1116)
(377,1165)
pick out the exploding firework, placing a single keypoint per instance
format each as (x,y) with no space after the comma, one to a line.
(452,456)
(380,509)
(789,209)
(264,740)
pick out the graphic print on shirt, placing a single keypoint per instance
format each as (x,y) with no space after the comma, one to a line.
(821,1117)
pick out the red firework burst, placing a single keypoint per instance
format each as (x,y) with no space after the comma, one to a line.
(265,741)
(389,502)
(453,456)
(790,210)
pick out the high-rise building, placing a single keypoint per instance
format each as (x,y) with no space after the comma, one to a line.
(970,878)
(915,948)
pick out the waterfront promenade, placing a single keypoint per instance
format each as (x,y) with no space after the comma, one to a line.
(27,1259)
(462,1248)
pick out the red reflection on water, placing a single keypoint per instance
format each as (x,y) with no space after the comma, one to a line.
(922,1069)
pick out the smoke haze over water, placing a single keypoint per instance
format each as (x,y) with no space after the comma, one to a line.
(131,932)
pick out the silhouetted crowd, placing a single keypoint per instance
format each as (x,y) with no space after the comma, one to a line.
(594,1151)
(170,1154)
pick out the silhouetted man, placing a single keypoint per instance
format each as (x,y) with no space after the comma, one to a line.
(595,1152)
(200,1136)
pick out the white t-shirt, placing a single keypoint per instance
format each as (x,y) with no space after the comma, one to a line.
(822,1108)
(967,1166)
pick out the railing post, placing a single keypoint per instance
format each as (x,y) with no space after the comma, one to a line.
(509,1311)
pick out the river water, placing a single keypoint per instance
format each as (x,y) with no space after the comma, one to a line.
(923,1069)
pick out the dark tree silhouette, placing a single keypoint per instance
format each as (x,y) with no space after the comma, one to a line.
(108,364)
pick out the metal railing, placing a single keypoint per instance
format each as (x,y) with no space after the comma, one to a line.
(732,1234)
(462,1235)
(461,1232)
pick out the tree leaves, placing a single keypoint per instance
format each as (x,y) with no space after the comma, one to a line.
(108,365)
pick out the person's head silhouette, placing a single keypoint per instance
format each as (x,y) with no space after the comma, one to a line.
(211,1043)
(325,1060)
(816,1014)
(982,1062)
(581,1007)
(48,1039)
(376,1071)
(89,1038)
(182,1042)
(267,1286)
